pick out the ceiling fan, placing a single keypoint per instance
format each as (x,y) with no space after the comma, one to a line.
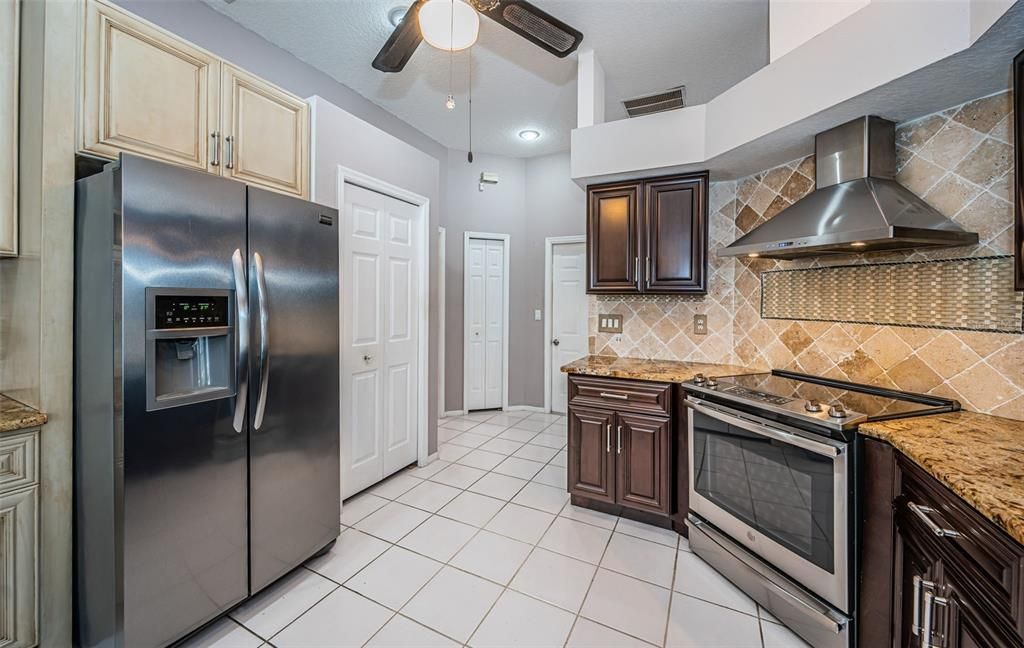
(537,26)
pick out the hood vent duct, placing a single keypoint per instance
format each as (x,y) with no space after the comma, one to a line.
(671,99)
(857,205)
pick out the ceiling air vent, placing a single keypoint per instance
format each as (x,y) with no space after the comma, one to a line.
(671,99)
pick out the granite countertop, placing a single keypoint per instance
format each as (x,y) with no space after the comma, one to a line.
(979,457)
(656,370)
(15,415)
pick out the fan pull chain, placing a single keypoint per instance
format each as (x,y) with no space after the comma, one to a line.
(449,103)
(470,156)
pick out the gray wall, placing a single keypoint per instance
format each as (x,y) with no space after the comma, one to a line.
(534,199)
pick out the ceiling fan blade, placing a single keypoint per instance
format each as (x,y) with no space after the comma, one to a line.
(537,26)
(402,43)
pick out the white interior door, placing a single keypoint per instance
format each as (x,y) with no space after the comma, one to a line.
(475,347)
(380,345)
(485,323)
(494,323)
(568,316)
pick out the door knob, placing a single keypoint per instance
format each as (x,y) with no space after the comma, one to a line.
(555,342)
(367,358)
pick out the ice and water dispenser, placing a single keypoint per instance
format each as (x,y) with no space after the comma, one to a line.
(190,350)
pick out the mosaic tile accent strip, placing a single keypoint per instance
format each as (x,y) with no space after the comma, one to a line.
(969,294)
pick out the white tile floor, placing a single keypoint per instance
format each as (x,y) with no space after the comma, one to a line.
(481,548)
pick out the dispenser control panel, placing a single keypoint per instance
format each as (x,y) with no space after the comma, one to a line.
(187,311)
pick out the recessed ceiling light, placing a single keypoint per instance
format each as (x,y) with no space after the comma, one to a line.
(529,135)
(396,14)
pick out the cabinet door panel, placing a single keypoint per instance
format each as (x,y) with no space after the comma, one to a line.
(269,131)
(591,464)
(642,446)
(612,238)
(146,91)
(18,540)
(675,235)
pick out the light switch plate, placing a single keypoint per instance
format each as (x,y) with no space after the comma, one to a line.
(609,323)
(537,315)
(700,324)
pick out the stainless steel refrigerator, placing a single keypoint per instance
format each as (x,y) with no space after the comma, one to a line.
(206,396)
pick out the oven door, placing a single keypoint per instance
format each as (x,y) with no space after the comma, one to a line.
(780,492)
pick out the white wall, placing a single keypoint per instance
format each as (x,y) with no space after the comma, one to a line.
(534,199)
(341,139)
(791,23)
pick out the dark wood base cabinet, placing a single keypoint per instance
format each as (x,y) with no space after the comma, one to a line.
(624,439)
(957,580)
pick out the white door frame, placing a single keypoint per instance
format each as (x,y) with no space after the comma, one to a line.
(423,286)
(442,256)
(506,239)
(549,260)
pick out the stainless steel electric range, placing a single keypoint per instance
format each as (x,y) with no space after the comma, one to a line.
(774,474)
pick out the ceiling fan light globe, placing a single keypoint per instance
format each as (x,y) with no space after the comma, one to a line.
(447,32)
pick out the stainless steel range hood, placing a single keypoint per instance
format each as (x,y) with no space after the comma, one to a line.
(857,205)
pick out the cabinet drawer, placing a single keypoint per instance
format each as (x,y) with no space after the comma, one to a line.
(19,460)
(987,564)
(619,394)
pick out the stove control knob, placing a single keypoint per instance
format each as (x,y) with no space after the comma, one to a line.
(699,379)
(712,382)
(812,406)
(837,411)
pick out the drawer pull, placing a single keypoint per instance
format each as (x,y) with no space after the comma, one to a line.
(619,396)
(922,512)
(930,601)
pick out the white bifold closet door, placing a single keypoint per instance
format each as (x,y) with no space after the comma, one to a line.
(485,316)
(380,346)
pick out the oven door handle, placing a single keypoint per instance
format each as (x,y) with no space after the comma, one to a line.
(763,429)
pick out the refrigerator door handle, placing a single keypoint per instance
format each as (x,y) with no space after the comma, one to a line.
(242,329)
(264,358)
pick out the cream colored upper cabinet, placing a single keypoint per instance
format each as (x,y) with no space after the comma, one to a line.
(266,133)
(146,91)
(9,30)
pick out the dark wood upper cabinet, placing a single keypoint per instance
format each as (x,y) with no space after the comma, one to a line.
(613,241)
(676,235)
(648,236)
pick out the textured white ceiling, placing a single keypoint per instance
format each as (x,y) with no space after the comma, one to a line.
(644,46)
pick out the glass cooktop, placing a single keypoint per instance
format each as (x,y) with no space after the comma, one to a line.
(820,399)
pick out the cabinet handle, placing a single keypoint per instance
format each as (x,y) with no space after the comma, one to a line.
(648,270)
(229,152)
(636,269)
(610,395)
(618,440)
(915,623)
(930,601)
(215,148)
(608,438)
(922,512)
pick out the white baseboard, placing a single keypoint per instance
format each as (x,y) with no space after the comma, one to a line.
(454,413)
(525,408)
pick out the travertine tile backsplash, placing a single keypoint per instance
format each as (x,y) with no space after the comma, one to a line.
(961,162)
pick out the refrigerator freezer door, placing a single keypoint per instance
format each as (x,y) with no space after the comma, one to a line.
(171,480)
(294,496)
